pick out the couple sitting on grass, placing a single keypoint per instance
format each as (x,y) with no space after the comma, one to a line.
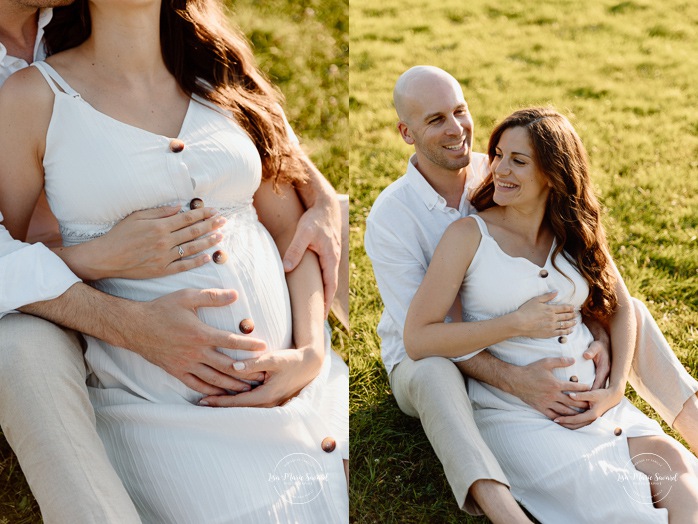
(523,260)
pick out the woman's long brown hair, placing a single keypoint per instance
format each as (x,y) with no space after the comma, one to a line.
(210,59)
(572,209)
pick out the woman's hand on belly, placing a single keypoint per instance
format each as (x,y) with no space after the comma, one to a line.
(286,372)
(600,401)
(148,244)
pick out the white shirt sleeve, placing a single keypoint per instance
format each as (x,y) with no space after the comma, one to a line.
(398,271)
(399,267)
(29,273)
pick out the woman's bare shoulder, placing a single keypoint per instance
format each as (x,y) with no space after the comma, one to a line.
(461,239)
(465,228)
(26,92)
(26,83)
(26,107)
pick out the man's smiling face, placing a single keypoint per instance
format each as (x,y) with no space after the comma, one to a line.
(436,119)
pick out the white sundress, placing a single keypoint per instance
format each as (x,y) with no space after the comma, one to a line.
(559,475)
(183,463)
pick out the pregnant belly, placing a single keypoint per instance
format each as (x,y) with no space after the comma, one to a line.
(523,351)
(253,268)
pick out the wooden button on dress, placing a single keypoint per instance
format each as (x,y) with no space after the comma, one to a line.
(246,326)
(196,203)
(176,145)
(220,257)
(328,444)
(574,378)
(543,273)
(617,432)
(562,339)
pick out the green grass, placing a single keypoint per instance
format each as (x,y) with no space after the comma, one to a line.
(625,73)
(303,46)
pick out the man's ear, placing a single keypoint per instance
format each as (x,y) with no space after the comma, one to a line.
(405,132)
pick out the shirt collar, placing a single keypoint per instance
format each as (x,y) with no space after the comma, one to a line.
(45,16)
(428,194)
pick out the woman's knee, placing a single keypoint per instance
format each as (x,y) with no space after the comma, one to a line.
(659,454)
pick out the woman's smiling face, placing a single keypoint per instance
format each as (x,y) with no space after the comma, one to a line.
(517,177)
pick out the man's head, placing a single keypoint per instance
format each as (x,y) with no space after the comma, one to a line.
(434,117)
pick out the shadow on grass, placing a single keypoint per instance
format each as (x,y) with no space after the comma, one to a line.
(17,505)
(394,466)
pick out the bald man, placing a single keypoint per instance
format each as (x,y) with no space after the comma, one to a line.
(402,231)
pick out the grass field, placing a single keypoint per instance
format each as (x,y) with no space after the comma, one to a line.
(303,46)
(625,72)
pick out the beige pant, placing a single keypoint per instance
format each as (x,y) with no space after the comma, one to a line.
(47,418)
(433,390)
(656,374)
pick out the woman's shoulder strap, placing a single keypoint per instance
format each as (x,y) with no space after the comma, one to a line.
(480,224)
(54,80)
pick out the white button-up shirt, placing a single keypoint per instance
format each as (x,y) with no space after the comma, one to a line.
(402,230)
(28,273)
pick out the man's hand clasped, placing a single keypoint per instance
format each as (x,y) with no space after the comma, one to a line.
(175,339)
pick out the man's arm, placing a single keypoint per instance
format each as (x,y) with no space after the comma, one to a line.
(535,383)
(599,351)
(319,228)
(398,268)
(29,273)
(165,331)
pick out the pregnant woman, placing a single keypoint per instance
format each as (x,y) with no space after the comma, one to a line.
(147,104)
(537,231)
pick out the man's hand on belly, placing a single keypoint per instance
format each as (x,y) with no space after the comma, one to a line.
(538,387)
(168,333)
(535,383)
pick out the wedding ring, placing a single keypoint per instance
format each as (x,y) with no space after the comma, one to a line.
(181,251)
(560,320)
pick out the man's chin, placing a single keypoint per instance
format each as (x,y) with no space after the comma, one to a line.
(460,163)
(49,3)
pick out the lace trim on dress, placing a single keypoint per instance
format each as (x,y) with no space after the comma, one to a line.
(77,233)
(72,236)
